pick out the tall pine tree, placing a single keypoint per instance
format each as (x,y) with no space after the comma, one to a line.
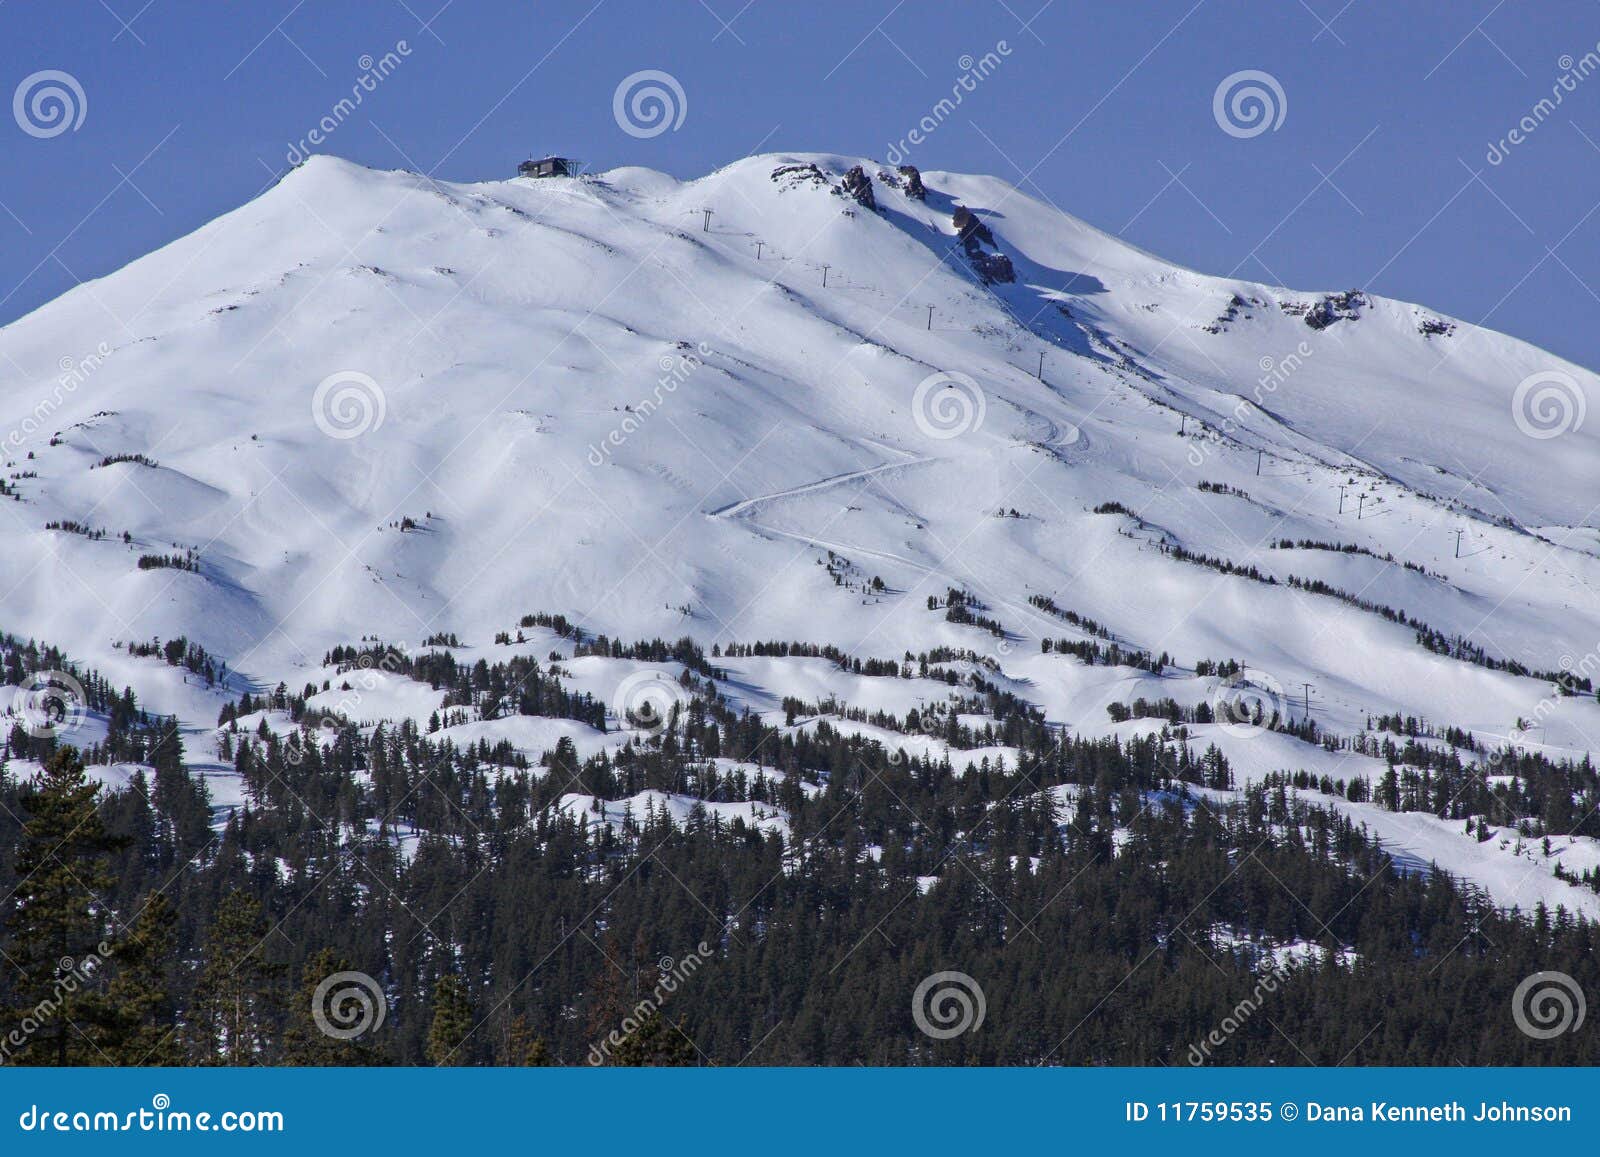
(142,1022)
(235,997)
(58,918)
(452,1022)
(305,1042)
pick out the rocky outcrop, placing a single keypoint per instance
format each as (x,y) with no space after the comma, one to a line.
(857,185)
(977,240)
(1334,307)
(1237,307)
(992,266)
(969,228)
(790,176)
(907,179)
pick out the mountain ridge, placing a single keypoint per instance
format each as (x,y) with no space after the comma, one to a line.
(378,405)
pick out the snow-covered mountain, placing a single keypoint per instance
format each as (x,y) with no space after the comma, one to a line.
(795,401)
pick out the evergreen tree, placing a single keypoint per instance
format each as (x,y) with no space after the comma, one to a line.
(1088,889)
(452,1022)
(305,1041)
(58,920)
(524,1047)
(235,999)
(181,800)
(658,1043)
(143,1008)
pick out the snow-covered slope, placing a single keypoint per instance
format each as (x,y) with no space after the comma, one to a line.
(374,404)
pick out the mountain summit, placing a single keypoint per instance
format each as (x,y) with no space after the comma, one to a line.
(805,397)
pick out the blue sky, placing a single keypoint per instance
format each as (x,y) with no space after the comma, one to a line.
(1378,175)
